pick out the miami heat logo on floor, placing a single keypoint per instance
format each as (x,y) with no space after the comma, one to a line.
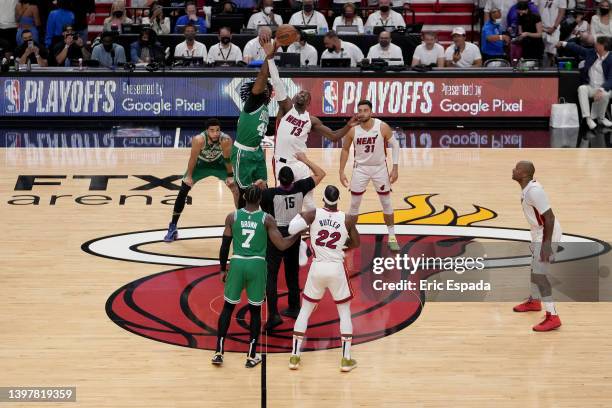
(181,306)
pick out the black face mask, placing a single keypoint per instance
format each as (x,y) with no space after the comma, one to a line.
(225,40)
(108,47)
(190,37)
(604,11)
(331,49)
(384,9)
(349,15)
(308,8)
(384,43)
(118,14)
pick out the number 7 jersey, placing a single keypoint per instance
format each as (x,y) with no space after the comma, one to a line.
(328,234)
(249,234)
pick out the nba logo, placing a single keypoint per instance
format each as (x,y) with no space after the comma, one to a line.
(330,97)
(11,95)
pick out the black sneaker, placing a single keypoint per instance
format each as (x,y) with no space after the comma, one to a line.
(217,359)
(253,361)
(273,322)
(292,313)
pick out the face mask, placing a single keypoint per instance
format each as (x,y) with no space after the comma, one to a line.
(384,9)
(190,37)
(225,40)
(349,14)
(308,8)
(331,49)
(604,11)
(118,14)
(108,47)
(384,43)
(498,21)
(268,10)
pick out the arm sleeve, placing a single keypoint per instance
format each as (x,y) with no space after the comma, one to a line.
(224,251)
(280,93)
(395,149)
(537,198)
(297,224)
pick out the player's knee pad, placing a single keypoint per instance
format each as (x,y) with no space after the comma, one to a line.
(346,323)
(355,204)
(385,201)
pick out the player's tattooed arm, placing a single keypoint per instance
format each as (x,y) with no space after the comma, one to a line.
(225,245)
(196,146)
(395,150)
(351,225)
(261,82)
(344,155)
(282,243)
(333,135)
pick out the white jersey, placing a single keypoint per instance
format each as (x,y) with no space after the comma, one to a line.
(535,203)
(292,134)
(328,234)
(369,146)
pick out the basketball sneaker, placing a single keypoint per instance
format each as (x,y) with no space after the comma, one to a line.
(347,364)
(294,362)
(550,322)
(253,361)
(304,253)
(392,242)
(172,234)
(291,313)
(217,359)
(530,305)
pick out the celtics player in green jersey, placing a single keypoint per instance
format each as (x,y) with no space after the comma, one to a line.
(249,228)
(248,158)
(210,157)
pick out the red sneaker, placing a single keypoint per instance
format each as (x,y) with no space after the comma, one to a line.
(531,305)
(550,322)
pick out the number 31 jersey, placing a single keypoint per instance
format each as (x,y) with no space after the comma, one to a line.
(328,234)
(292,134)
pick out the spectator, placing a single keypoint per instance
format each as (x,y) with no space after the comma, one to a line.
(349,17)
(28,18)
(56,22)
(30,50)
(159,24)
(552,13)
(385,16)
(190,48)
(227,9)
(513,15)
(503,6)
(225,50)
(84,14)
(265,17)
(107,53)
(385,49)
(492,39)
(530,34)
(308,16)
(308,54)
(462,54)
(146,49)
(192,17)
(245,4)
(582,27)
(596,78)
(429,52)
(253,50)
(117,18)
(336,48)
(8,25)
(601,25)
(70,50)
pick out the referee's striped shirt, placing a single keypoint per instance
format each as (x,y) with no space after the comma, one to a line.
(285,203)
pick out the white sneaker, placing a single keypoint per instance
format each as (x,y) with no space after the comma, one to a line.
(605,122)
(591,123)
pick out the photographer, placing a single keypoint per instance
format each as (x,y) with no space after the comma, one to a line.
(70,50)
(30,50)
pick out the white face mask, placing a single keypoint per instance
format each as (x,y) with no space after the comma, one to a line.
(268,10)
(498,21)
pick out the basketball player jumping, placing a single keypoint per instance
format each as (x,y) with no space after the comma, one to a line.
(209,157)
(294,124)
(369,141)
(330,231)
(248,159)
(545,235)
(249,228)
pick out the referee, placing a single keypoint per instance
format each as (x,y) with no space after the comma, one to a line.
(283,203)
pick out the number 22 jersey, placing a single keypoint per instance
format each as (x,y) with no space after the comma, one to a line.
(328,234)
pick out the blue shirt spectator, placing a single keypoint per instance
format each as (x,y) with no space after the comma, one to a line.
(513,16)
(56,22)
(191,17)
(108,53)
(245,4)
(492,48)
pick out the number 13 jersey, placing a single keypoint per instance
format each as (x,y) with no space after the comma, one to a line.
(328,234)
(292,134)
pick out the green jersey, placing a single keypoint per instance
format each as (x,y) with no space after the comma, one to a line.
(211,151)
(252,126)
(249,233)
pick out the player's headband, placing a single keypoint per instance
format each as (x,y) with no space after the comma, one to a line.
(329,202)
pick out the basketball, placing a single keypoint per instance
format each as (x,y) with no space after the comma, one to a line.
(286,35)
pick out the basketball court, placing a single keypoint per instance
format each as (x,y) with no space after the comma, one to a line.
(93,297)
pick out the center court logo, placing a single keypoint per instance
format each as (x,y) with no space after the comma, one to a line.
(181,306)
(12,95)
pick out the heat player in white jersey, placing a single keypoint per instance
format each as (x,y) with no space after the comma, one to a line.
(293,125)
(369,140)
(545,236)
(330,232)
